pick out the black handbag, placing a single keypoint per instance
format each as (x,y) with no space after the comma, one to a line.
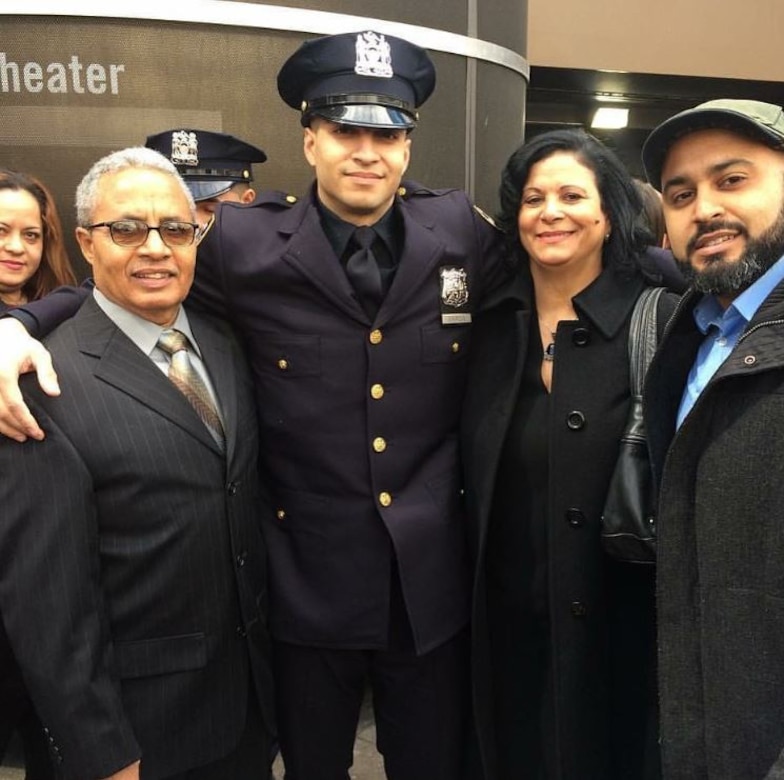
(628,519)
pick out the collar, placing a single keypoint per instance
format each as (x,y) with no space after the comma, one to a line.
(708,311)
(339,232)
(143,333)
(608,301)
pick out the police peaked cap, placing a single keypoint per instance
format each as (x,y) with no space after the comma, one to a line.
(210,163)
(366,79)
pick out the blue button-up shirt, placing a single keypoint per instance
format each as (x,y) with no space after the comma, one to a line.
(722,329)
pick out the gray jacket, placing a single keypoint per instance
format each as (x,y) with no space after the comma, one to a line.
(721,552)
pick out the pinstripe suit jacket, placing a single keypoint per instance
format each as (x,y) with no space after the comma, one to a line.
(131,560)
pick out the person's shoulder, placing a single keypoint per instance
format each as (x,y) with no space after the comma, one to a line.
(445,199)
(202,320)
(415,195)
(65,335)
(267,208)
(660,268)
(269,199)
(414,190)
(266,202)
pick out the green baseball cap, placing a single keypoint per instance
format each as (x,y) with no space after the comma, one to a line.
(764,122)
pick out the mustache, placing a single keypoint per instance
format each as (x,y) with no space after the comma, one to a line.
(710,227)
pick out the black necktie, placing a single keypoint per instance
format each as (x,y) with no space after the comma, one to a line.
(363,272)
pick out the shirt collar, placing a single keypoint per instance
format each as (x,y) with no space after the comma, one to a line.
(710,312)
(339,232)
(143,333)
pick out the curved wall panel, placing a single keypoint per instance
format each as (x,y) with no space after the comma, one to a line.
(76,86)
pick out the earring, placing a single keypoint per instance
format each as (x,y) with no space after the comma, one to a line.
(606,236)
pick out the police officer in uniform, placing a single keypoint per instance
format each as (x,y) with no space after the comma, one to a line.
(355,304)
(217,167)
(356,307)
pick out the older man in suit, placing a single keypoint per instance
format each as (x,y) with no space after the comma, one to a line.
(131,560)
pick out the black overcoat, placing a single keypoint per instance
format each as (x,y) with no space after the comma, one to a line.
(597,607)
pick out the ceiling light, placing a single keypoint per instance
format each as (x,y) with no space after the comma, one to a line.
(610,118)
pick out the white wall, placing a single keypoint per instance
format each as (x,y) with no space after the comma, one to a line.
(721,38)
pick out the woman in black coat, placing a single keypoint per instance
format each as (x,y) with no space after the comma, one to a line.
(563,636)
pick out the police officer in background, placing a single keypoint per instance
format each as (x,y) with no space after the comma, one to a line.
(215,166)
(355,305)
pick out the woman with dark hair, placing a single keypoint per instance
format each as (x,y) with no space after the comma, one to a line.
(33,261)
(563,636)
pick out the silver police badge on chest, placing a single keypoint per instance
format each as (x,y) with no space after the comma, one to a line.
(374,56)
(184,148)
(454,295)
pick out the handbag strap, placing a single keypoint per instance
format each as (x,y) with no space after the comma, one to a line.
(643,336)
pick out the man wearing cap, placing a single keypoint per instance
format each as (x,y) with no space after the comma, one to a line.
(355,305)
(217,167)
(715,419)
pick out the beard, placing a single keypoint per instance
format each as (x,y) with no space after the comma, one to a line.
(731,277)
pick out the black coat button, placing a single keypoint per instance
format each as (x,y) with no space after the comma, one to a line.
(241,632)
(241,558)
(579,609)
(231,488)
(581,337)
(575,420)
(575,517)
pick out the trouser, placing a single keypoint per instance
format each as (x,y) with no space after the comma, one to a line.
(420,705)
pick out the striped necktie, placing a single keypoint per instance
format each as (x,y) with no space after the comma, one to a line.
(187,380)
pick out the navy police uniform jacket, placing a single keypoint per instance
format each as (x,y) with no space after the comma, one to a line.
(358,418)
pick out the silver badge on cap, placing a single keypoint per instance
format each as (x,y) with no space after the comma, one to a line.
(454,295)
(374,56)
(184,148)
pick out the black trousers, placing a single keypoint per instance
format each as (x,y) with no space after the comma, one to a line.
(420,705)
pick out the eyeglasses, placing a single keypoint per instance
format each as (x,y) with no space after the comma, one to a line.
(134,232)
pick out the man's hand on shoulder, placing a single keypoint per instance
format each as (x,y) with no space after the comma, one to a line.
(131,772)
(20,353)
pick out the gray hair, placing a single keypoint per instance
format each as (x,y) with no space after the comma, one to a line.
(133,157)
